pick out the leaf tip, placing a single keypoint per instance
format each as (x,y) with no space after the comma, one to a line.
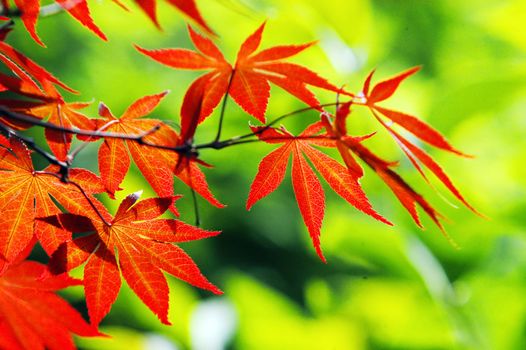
(462,154)
(104,110)
(367,83)
(320,254)
(136,195)
(384,220)
(215,290)
(164,319)
(416,69)
(191,30)
(449,239)
(141,49)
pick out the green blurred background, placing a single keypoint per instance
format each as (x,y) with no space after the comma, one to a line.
(383,288)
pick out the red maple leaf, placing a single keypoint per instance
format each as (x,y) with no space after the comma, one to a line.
(32,316)
(78,9)
(188,7)
(144,247)
(29,72)
(417,155)
(382,91)
(407,196)
(25,195)
(34,82)
(307,188)
(157,165)
(337,131)
(247,82)
(385,89)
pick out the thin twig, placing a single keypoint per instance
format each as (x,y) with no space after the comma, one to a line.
(181,149)
(94,134)
(275,121)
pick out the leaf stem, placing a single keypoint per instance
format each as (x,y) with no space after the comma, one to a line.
(196,208)
(223,106)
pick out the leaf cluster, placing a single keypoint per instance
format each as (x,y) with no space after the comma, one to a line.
(57,206)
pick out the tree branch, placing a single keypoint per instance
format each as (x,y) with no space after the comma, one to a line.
(140,139)
(180,149)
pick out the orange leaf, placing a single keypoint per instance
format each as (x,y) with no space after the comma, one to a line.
(307,188)
(420,129)
(310,197)
(385,89)
(144,246)
(32,316)
(25,196)
(247,81)
(157,166)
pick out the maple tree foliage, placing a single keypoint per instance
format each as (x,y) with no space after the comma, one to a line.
(57,206)
(143,251)
(247,81)
(157,166)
